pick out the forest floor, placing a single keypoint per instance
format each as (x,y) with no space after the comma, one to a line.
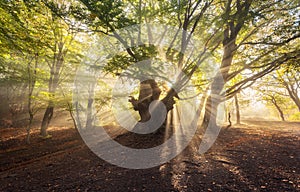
(254,156)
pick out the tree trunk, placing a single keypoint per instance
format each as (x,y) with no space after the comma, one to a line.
(46,119)
(89,118)
(89,115)
(77,122)
(31,86)
(237,108)
(70,109)
(229,120)
(28,129)
(202,101)
(273,100)
(296,101)
(298,105)
(217,86)
(210,115)
(293,94)
(55,70)
(149,91)
(230,34)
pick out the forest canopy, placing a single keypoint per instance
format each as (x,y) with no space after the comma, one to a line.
(225,50)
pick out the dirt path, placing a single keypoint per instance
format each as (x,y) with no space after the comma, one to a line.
(257,156)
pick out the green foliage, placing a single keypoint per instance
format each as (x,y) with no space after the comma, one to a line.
(107,15)
(52,31)
(32,40)
(295,117)
(122,60)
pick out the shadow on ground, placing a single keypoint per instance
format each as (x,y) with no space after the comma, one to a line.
(255,156)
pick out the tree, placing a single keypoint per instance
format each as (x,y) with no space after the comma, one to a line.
(237,108)
(250,49)
(248,55)
(21,51)
(289,78)
(278,102)
(109,16)
(274,94)
(233,21)
(34,38)
(62,50)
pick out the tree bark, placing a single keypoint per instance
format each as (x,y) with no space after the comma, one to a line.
(281,114)
(77,122)
(46,119)
(31,86)
(293,95)
(233,27)
(28,129)
(297,102)
(202,101)
(89,118)
(217,86)
(149,91)
(229,120)
(211,109)
(237,108)
(55,69)
(89,115)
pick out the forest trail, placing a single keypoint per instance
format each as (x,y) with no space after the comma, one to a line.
(254,156)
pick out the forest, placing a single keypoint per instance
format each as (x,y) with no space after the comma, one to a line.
(146,95)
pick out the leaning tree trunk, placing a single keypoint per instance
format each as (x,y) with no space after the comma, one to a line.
(234,24)
(298,104)
(237,108)
(281,114)
(293,94)
(217,86)
(55,70)
(47,118)
(48,113)
(296,100)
